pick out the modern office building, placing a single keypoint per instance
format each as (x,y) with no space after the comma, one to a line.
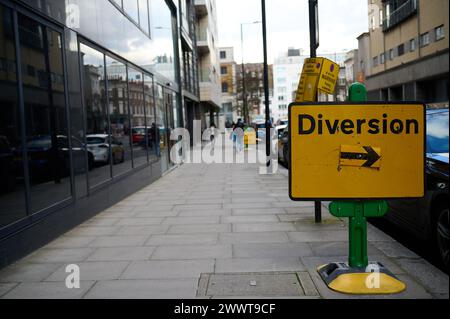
(89,94)
(287,69)
(228,69)
(409,50)
(208,61)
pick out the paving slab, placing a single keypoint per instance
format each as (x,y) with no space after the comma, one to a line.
(59,255)
(258,265)
(199,229)
(263,227)
(27,272)
(144,289)
(160,269)
(434,280)
(271,250)
(92,271)
(5,287)
(182,239)
(253,238)
(243,219)
(48,290)
(192,252)
(118,241)
(121,254)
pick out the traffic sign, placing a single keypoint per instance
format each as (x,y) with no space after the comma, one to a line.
(357,150)
(317,74)
(328,76)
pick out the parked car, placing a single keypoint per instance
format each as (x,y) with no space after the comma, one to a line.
(46,162)
(138,134)
(283,146)
(428,218)
(98,145)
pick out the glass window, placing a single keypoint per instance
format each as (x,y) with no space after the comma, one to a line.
(391,54)
(143,15)
(437,133)
(131,8)
(224,87)
(439,33)
(223,54)
(45,114)
(412,45)
(119,116)
(382,58)
(223,70)
(424,39)
(401,49)
(162,34)
(97,127)
(12,186)
(139,129)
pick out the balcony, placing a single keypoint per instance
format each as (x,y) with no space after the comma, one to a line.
(203,41)
(406,10)
(201,8)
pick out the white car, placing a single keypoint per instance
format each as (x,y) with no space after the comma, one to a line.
(98,145)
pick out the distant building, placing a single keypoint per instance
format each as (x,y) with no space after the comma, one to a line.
(228,69)
(409,50)
(287,71)
(254,90)
(208,59)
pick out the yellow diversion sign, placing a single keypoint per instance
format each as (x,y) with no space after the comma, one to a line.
(356,150)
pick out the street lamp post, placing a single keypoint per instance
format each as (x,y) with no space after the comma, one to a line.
(314,44)
(244,93)
(266,86)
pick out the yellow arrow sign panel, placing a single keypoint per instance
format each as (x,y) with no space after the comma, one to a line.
(356,151)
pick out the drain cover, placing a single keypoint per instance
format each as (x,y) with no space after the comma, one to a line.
(274,284)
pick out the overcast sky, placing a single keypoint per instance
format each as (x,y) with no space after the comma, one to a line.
(341,21)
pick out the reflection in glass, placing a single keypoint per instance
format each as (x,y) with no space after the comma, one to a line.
(154,134)
(161,125)
(139,131)
(161,21)
(143,15)
(119,116)
(12,194)
(97,128)
(45,113)
(131,8)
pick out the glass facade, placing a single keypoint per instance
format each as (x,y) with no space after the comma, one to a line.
(82,106)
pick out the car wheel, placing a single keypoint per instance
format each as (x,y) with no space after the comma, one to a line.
(286,157)
(442,234)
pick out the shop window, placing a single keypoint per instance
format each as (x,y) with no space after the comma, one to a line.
(119,117)
(97,126)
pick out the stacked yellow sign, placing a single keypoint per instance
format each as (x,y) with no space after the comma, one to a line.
(318,74)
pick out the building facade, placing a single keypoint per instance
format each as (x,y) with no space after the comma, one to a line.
(409,50)
(251,102)
(208,62)
(287,71)
(228,69)
(90,92)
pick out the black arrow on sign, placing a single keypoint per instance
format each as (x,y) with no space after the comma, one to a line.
(371,156)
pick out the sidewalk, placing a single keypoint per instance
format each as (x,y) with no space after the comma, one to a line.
(209,231)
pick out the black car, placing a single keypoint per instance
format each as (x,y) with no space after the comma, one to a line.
(428,218)
(283,147)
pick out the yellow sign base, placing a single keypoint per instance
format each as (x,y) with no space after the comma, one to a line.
(350,281)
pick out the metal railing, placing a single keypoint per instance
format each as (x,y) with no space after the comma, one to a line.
(403,12)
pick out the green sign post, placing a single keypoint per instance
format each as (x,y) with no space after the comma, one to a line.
(358,276)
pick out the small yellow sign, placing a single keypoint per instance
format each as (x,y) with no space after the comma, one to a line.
(328,76)
(317,74)
(356,151)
